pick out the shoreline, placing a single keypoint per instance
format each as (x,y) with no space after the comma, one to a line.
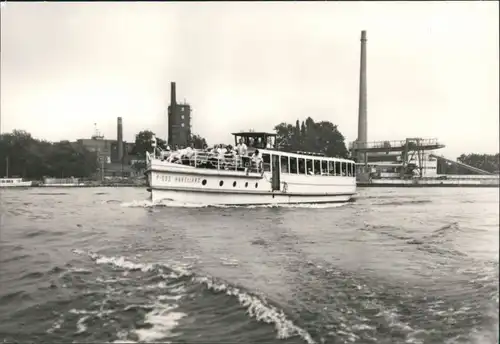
(75,186)
(389,185)
(360,185)
(89,186)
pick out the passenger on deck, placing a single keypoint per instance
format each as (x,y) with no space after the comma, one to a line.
(257,159)
(256,155)
(230,152)
(217,149)
(220,151)
(165,154)
(212,157)
(175,157)
(241,148)
(186,154)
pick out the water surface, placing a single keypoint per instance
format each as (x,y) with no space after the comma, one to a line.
(103,265)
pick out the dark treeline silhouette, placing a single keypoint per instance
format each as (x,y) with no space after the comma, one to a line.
(31,158)
(21,155)
(309,136)
(486,162)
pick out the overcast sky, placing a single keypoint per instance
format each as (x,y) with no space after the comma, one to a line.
(432,68)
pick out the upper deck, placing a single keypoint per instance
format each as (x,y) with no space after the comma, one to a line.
(266,143)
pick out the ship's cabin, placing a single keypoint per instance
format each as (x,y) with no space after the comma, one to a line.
(293,162)
(256,140)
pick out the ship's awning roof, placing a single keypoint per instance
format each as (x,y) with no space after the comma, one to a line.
(253,133)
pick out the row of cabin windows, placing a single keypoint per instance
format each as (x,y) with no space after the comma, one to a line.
(311,166)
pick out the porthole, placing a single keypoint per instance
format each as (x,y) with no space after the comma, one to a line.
(221,183)
(256,185)
(246,184)
(234,184)
(204,182)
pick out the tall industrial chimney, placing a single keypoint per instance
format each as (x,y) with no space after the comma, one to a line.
(119,138)
(173,100)
(362,111)
(172,113)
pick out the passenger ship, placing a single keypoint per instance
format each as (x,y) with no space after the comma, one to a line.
(14,183)
(281,178)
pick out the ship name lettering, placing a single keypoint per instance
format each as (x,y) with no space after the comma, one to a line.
(163,178)
(186,180)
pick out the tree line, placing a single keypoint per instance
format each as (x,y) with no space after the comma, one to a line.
(27,157)
(486,162)
(309,136)
(21,155)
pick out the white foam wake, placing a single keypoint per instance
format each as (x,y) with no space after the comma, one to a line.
(256,308)
(162,320)
(173,204)
(162,316)
(259,310)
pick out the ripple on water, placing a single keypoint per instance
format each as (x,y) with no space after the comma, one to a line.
(409,266)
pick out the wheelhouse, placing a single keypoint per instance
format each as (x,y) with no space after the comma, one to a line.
(256,140)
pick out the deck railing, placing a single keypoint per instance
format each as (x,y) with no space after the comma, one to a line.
(203,159)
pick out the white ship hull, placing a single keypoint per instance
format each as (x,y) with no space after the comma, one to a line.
(14,183)
(187,184)
(203,197)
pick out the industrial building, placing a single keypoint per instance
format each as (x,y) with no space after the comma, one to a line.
(115,156)
(409,162)
(179,121)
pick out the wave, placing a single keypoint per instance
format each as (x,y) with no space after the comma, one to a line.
(403,202)
(256,307)
(174,204)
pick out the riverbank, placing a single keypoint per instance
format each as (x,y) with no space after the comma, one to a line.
(90,184)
